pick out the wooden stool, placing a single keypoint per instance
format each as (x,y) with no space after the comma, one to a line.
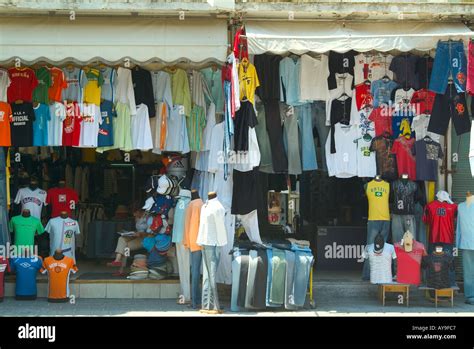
(394,288)
(441,295)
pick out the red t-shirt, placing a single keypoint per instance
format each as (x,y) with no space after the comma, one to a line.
(409,263)
(440,217)
(4,266)
(61,199)
(23,82)
(382,118)
(406,161)
(363,96)
(72,125)
(423,101)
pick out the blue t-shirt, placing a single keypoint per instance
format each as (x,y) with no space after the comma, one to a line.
(106,129)
(381,90)
(401,123)
(26,270)
(40,126)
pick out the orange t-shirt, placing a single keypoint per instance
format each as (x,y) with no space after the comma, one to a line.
(58,273)
(191,224)
(58,83)
(5,120)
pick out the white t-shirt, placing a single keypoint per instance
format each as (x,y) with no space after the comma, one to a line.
(344,84)
(32,200)
(377,66)
(141,130)
(366,165)
(91,119)
(420,126)
(4,83)
(313,78)
(177,137)
(216,154)
(62,232)
(402,98)
(380,263)
(345,158)
(55,125)
(246,161)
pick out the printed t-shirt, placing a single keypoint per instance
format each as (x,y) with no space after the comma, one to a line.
(40,93)
(62,199)
(22,124)
(378,194)
(58,84)
(22,83)
(58,273)
(32,200)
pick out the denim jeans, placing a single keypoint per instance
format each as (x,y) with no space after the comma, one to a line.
(290,281)
(373,228)
(235,281)
(420,225)
(252,271)
(303,265)
(196,261)
(401,224)
(468,271)
(270,279)
(448,249)
(319,121)
(451,60)
(277,291)
(308,149)
(210,298)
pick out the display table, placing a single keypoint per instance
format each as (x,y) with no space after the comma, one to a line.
(441,295)
(394,288)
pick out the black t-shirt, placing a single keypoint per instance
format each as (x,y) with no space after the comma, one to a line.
(268,71)
(404,195)
(438,267)
(386,161)
(427,153)
(424,66)
(340,63)
(404,67)
(340,112)
(22,124)
(244,118)
(143,89)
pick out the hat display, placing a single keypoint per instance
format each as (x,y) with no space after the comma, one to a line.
(149,204)
(407,241)
(443,196)
(165,185)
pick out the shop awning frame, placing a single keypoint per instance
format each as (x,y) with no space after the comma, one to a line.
(300,37)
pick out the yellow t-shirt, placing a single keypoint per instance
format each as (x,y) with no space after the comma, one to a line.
(92,89)
(248,81)
(378,194)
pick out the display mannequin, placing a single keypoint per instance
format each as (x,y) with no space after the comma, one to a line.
(439,265)
(58,266)
(211,236)
(380,255)
(31,198)
(62,232)
(24,227)
(61,198)
(465,242)
(409,256)
(26,269)
(191,229)
(403,197)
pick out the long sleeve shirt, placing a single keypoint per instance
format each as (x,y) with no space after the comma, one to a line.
(212,231)
(124,90)
(465,227)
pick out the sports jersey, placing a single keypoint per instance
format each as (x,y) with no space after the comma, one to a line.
(58,273)
(366,165)
(75,80)
(106,129)
(378,194)
(55,126)
(23,82)
(26,270)
(72,125)
(5,120)
(91,119)
(25,229)
(4,266)
(40,93)
(58,84)
(62,235)
(92,89)
(409,263)
(4,83)
(21,127)
(40,125)
(62,199)
(440,217)
(32,200)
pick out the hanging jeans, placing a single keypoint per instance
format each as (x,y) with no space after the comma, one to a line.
(235,280)
(182,254)
(450,60)
(420,226)
(210,298)
(401,224)
(308,149)
(319,121)
(224,269)
(468,270)
(196,261)
(373,229)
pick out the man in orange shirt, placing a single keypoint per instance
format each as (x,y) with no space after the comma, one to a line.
(5,120)
(58,267)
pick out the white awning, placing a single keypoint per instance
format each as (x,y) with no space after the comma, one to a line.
(143,40)
(301,37)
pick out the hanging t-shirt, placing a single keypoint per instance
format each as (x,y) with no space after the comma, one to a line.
(4,267)
(403,197)
(25,229)
(92,89)
(386,161)
(404,67)
(382,119)
(380,263)
(107,89)
(268,70)
(345,158)
(106,129)
(91,119)
(57,112)
(382,90)
(409,263)
(72,125)
(403,150)
(62,199)
(26,270)
(378,193)
(58,274)
(40,93)
(75,80)
(422,101)
(177,136)
(141,131)
(372,67)
(22,83)
(344,85)
(4,84)
(180,90)
(290,80)
(424,67)
(143,89)
(340,112)
(62,232)
(32,200)
(440,217)
(40,125)
(244,118)
(366,164)
(427,152)
(161,82)
(6,118)
(363,97)
(419,125)
(58,84)
(340,63)
(22,124)
(401,123)
(213,78)
(313,78)
(402,98)
(248,81)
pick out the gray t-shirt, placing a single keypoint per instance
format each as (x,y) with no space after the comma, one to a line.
(107,89)
(380,263)
(62,232)
(76,80)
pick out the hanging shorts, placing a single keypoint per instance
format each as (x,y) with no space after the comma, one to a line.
(451,105)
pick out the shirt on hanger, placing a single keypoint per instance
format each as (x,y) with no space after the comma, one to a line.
(92,89)
(213,78)
(32,200)
(57,113)
(161,82)
(40,125)
(124,91)
(372,67)
(143,89)
(72,125)
(180,90)
(91,119)
(4,84)
(76,80)
(345,158)
(22,83)
(290,80)
(40,93)
(244,119)
(343,85)
(402,148)
(248,81)
(58,84)
(404,67)
(177,136)
(22,124)
(419,125)
(363,96)
(422,101)
(313,76)
(440,217)
(107,90)
(141,131)
(427,152)
(106,128)
(381,90)
(401,123)
(402,98)
(6,118)
(386,161)
(340,112)
(340,63)
(366,163)
(382,119)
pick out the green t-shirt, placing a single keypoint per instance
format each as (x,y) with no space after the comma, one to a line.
(25,229)
(40,93)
